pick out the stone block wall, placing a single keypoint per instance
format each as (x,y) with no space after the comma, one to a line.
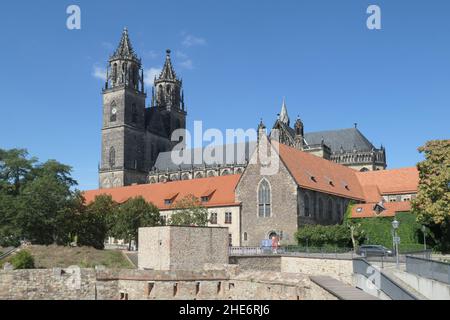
(182,248)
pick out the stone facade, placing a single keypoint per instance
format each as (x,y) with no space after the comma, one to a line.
(283,202)
(182,248)
(132,134)
(53,284)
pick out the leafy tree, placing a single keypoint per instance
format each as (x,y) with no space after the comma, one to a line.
(134,214)
(47,207)
(432,204)
(189,212)
(14,169)
(354,226)
(96,221)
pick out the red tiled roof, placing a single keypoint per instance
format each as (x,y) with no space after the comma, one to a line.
(219,189)
(366,210)
(396,181)
(315,173)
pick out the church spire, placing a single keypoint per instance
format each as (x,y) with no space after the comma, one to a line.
(125,68)
(284,117)
(167,72)
(168,88)
(125,49)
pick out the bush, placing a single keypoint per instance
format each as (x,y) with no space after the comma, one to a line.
(324,236)
(22,260)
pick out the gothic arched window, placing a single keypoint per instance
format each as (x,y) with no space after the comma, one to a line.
(320,208)
(264,199)
(330,210)
(112,157)
(134,113)
(307,206)
(338,211)
(114,73)
(113,112)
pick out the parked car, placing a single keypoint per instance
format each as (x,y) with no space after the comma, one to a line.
(374,250)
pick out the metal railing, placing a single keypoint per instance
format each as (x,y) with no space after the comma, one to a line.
(310,252)
(383,282)
(8,252)
(427,268)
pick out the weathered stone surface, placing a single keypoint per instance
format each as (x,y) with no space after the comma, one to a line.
(148,285)
(182,248)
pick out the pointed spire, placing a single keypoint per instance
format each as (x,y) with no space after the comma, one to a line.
(284,117)
(167,72)
(125,49)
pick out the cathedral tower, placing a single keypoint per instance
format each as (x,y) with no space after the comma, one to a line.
(168,97)
(123,127)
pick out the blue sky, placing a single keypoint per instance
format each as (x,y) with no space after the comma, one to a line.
(237,60)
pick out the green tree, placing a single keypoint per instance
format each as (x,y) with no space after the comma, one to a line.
(432,204)
(354,226)
(189,212)
(15,166)
(134,214)
(95,222)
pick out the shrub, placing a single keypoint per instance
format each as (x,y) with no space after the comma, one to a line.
(319,236)
(22,260)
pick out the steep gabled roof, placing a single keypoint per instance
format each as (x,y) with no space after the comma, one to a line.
(312,172)
(348,139)
(396,181)
(220,190)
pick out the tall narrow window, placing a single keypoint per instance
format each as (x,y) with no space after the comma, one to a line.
(330,210)
(228,218)
(264,199)
(307,206)
(112,157)
(134,114)
(321,208)
(113,112)
(213,218)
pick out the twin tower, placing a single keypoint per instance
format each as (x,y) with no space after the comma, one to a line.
(132,134)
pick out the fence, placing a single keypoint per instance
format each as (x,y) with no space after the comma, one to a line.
(431,269)
(310,252)
(383,282)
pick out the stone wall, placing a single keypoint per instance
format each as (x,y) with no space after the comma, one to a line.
(48,284)
(182,248)
(90,284)
(339,269)
(260,263)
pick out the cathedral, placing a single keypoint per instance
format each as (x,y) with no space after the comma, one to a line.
(136,138)
(133,134)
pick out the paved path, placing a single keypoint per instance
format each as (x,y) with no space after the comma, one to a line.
(341,290)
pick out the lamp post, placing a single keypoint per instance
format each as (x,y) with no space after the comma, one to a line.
(395,225)
(424,231)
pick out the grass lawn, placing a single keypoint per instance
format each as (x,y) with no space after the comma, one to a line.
(85,257)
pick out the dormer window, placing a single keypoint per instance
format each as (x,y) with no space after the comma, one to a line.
(168,202)
(205,199)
